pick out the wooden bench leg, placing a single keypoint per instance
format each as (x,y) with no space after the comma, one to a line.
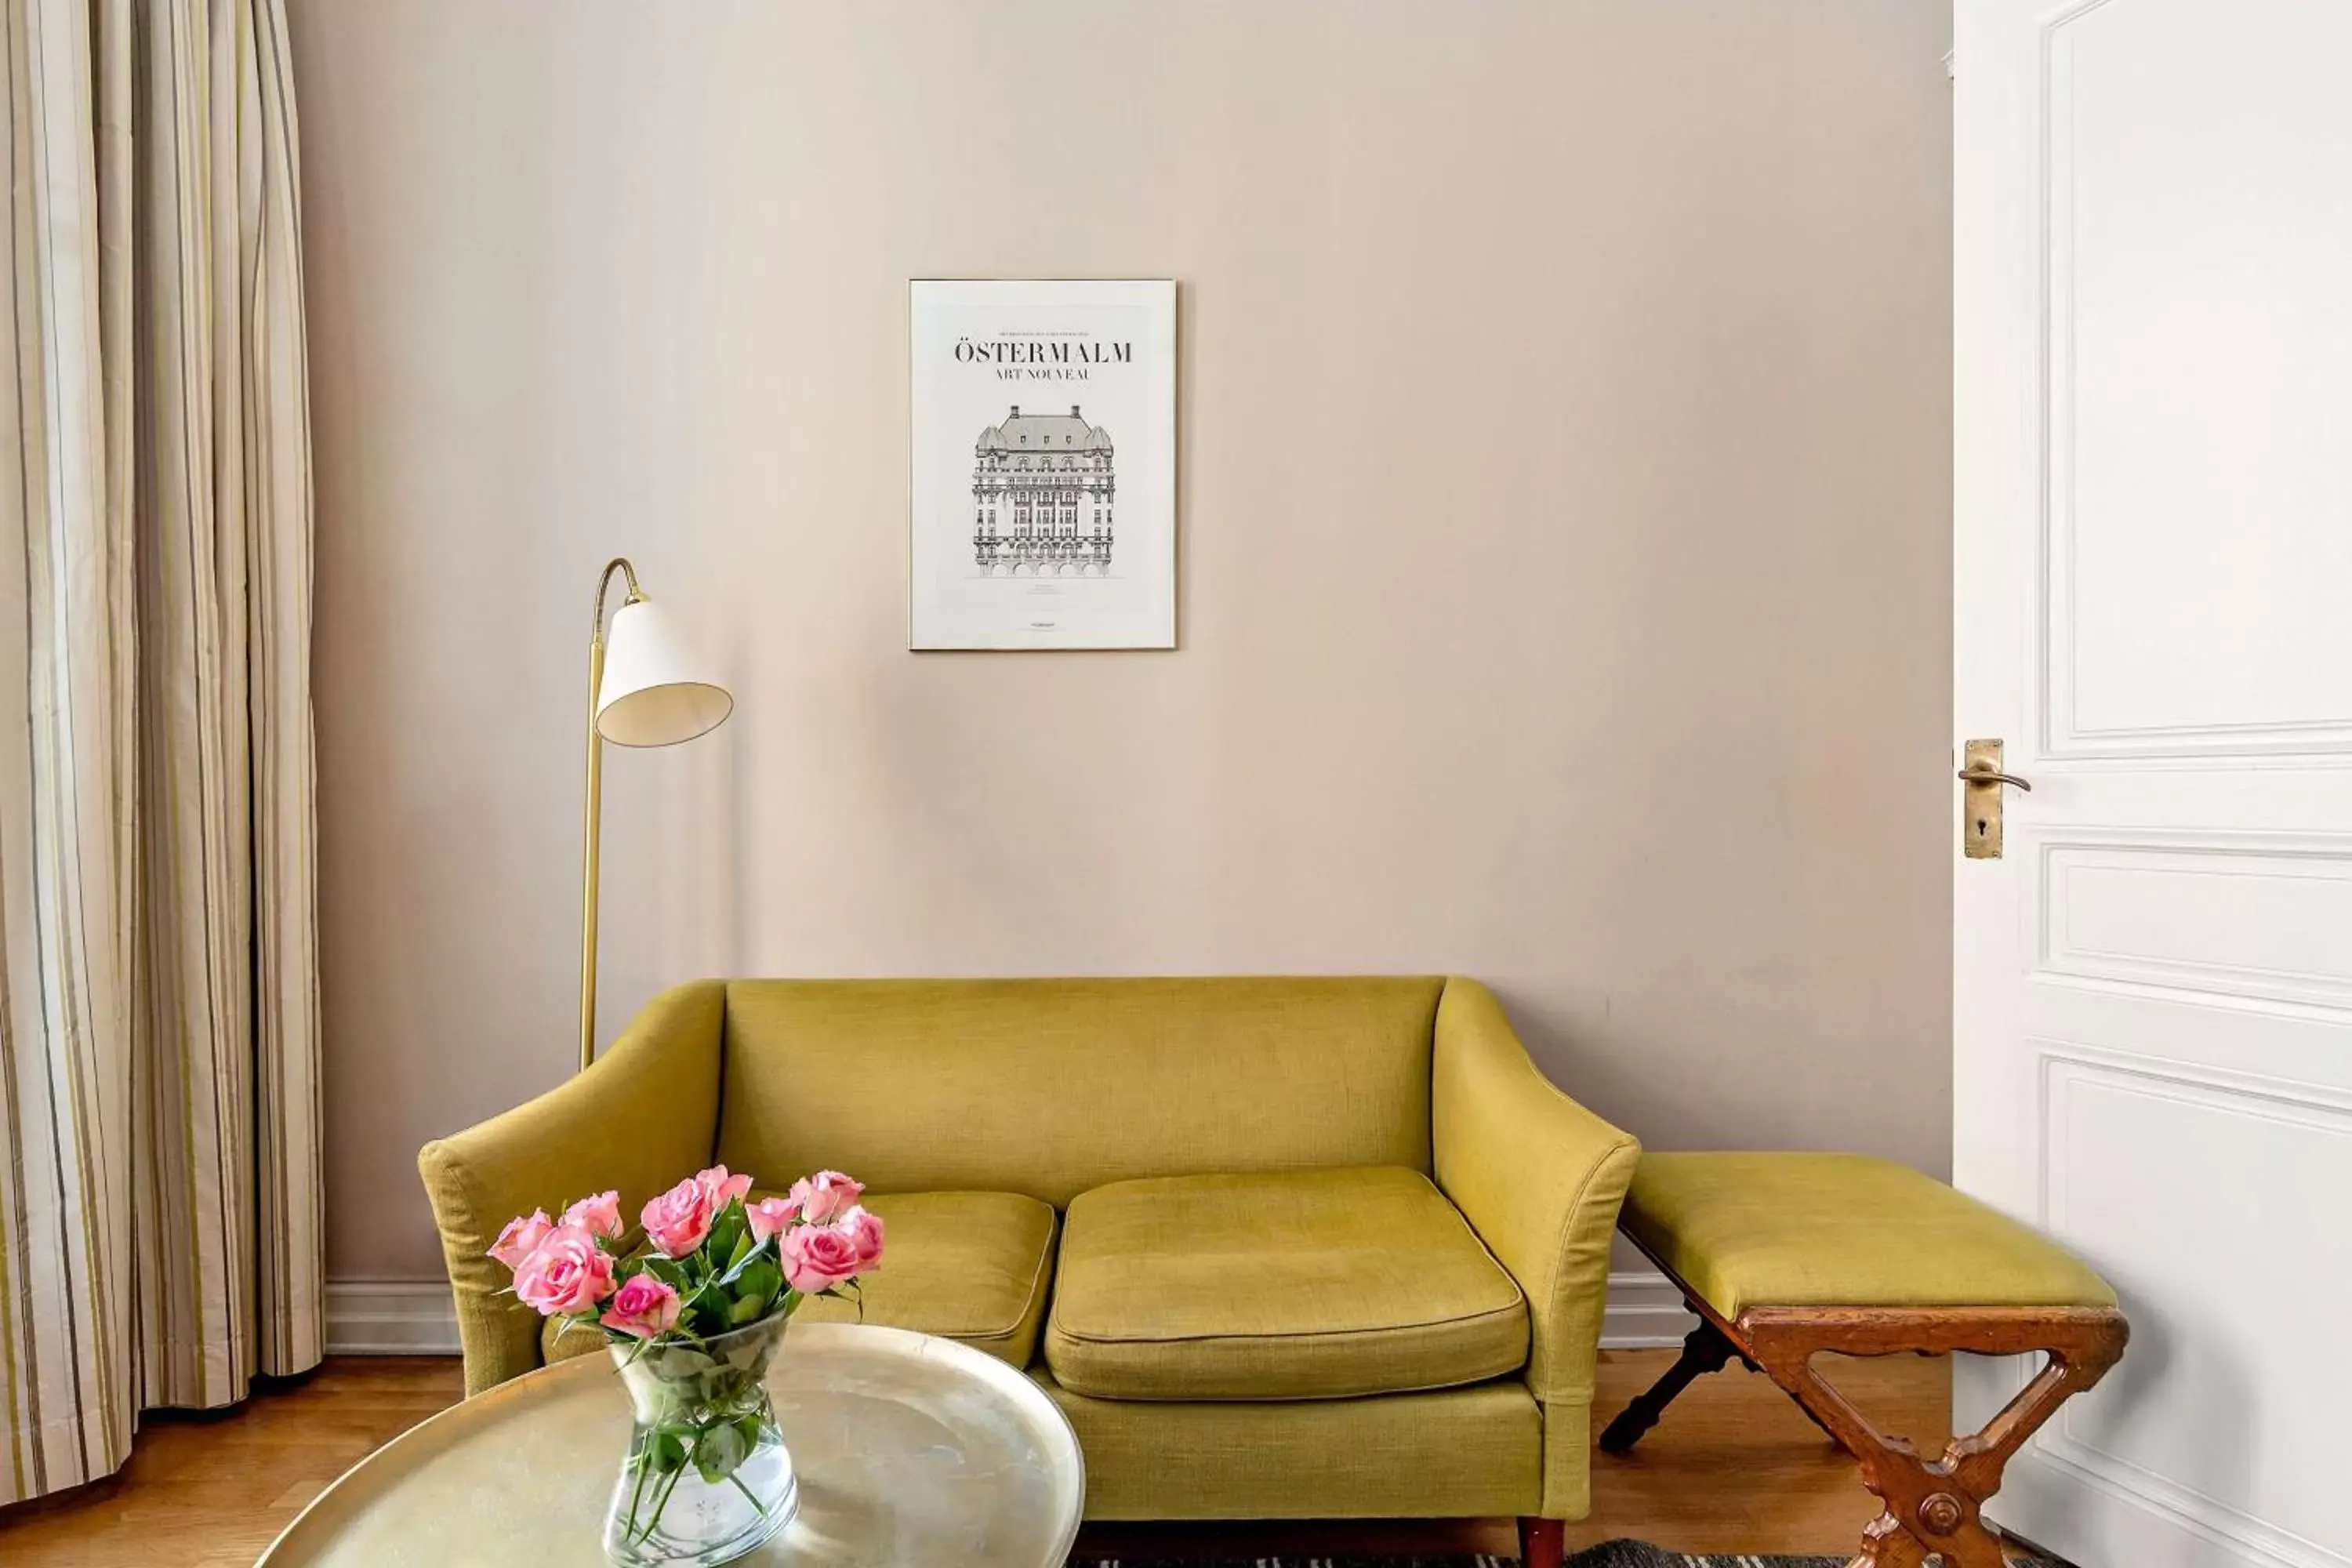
(1931,1518)
(1542,1542)
(1705,1350)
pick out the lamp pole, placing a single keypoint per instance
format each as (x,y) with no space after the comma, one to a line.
(646,687)
(592,814)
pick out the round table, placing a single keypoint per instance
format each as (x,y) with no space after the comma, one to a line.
(910,1450)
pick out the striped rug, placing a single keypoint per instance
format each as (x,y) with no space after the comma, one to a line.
(1615,1554)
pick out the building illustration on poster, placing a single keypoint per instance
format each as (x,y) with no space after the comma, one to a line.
(1043,491)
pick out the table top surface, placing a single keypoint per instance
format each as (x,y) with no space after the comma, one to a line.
(910,1450)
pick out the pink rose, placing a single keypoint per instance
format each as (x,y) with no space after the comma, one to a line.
(721,1188)
(817,1257)
(864,1228)
(826,1197)
(644,1306)
(770,1215)
(678,1221)
(599,1215)
(568,1272)
(521,1238)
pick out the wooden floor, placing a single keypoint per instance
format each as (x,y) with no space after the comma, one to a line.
(1734,1467)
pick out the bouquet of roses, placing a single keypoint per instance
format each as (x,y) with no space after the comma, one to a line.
(694,1314)
(711,1262)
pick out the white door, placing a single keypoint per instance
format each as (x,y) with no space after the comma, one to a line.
(2153,608)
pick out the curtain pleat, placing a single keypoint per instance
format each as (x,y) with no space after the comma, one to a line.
(287,1026)
(159,1022)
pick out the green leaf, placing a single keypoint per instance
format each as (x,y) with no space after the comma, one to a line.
(718,1451)
(727,1388)
(749,1426)
(666,1448)
(709,1312)
(727,1232)
(675,1364)
(758,1280)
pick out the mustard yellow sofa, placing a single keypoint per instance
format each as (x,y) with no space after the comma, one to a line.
(1279,1248)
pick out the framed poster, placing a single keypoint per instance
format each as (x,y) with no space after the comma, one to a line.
(1044,420)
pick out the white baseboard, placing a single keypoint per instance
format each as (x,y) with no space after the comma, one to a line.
(1644,1313)
(417,1317)
(390,1317)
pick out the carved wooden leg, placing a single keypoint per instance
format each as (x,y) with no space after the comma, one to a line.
(1705,1350)
(1932,1507)
(1541,1543)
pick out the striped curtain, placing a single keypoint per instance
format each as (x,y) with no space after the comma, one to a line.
(160,1202)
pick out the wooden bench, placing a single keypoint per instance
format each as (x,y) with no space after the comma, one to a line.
(1785,1256)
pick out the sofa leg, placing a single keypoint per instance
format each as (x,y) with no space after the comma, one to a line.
(1541,1543)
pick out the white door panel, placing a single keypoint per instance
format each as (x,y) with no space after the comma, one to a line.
(2153,581)
(2200,354)
(2166,1169)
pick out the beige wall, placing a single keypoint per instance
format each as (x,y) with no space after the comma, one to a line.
(1565,482)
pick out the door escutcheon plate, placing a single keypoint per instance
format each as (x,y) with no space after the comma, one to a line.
(1980,801)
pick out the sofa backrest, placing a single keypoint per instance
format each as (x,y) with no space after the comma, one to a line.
(1051,1087)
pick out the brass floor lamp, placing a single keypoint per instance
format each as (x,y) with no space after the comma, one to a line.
(646,687)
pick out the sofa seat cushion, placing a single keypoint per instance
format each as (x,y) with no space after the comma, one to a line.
(1319,1284)
(970,1267)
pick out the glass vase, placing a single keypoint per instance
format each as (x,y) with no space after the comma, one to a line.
(707,1477)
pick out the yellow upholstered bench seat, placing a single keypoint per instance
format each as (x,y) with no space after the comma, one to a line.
(1785,1257)
(970,1266)
(1784,1230)
(1278,1285)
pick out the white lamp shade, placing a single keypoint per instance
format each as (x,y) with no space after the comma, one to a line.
(657,689)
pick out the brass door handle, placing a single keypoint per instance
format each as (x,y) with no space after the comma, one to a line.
(1978,773)
(1980,770)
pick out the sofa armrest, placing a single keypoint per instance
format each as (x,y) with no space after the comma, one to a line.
(643,1116)
(1539,1177)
